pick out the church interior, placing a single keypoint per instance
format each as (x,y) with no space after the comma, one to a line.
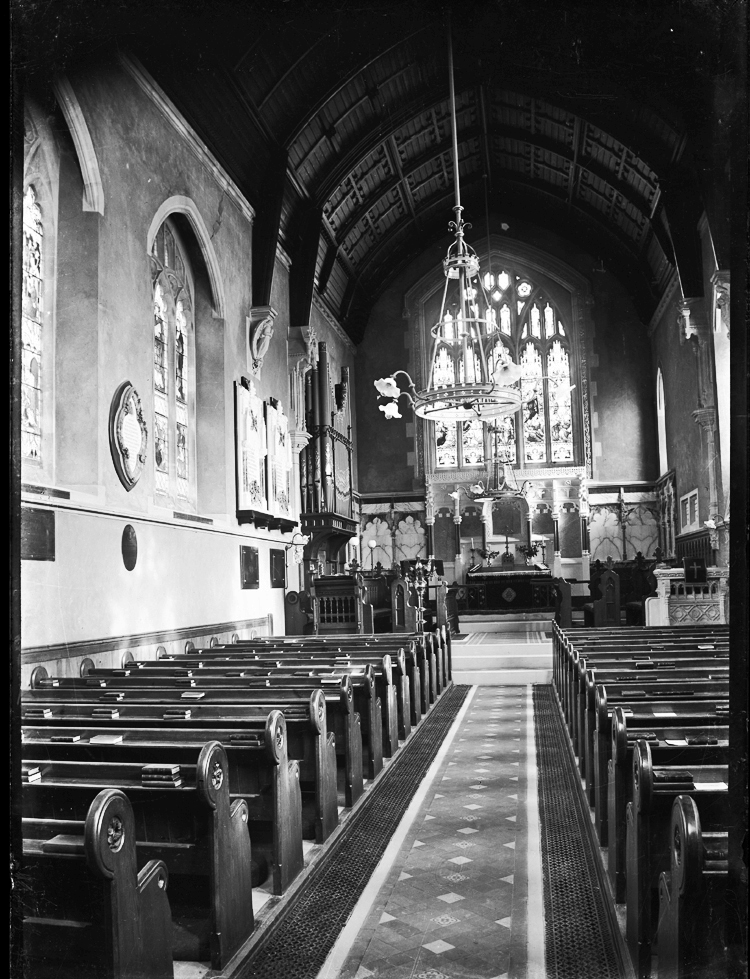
(376,607)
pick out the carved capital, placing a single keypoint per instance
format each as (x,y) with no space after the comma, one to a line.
(706,418)
(298,440)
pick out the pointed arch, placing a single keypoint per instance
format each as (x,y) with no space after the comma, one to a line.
(93,190)
(184,205)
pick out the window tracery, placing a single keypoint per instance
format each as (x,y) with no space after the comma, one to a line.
(31,328)
(172,330)
(526,323)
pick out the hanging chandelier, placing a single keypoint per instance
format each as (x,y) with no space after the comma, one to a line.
(468,376)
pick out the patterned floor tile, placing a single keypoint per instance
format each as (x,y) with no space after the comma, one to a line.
(445,914)
(439,946)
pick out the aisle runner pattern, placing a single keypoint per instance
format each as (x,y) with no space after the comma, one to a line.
(300,940)
(453,905)
(579,940)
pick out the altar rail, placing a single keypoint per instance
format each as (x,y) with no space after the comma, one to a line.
(679,603)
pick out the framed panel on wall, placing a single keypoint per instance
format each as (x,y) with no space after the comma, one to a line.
(249,571)
(278,568)
(250,433)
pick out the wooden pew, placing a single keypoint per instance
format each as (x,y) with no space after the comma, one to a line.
(648,842)
(608,665)
(374,593)
(644,650)
(625,669)
(690,933)
(656,636)
(670,745)
(604,611)
(273,798)
(573,658)
(308,740)
(342,721)
(89,913)
(389,669)
(673,698)
(261,689)
(186,819)
(375,693)
(426,649)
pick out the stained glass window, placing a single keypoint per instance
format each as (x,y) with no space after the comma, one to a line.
(446,444)
(560,413)
(31,328)
(172,332)
(536,329)
(505,319)
(532,390)
(472,442)
(549,321)
(504,435)
(471,361)
(444,369)
(533,333)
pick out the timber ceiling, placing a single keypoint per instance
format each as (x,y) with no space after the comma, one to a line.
(335,123)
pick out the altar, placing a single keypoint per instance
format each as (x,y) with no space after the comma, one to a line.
(508,589)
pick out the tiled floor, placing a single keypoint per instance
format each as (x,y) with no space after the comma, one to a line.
(456,899)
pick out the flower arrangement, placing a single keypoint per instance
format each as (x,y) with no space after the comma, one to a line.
(488,555)
(529,550)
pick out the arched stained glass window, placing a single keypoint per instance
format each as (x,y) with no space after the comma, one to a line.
(31,328)
(505,319)
(173,326)
(531,321)
(446,445)
(559,395)
(472,442)
(532,391)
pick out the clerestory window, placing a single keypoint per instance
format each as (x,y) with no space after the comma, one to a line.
(527,324)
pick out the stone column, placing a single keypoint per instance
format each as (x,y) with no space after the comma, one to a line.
(429,506)
(556,560)
(299,440)
(584,512)
(706,418)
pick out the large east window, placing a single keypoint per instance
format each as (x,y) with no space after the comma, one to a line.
(526,323)
(173,346)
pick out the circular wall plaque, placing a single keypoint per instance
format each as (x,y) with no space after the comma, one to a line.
(128,435)
(129,547)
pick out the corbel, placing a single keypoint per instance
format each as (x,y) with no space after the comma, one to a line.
(720,281)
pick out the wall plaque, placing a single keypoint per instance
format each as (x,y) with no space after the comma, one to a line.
(278,568)
(37,534)
(249,576)
(128,435)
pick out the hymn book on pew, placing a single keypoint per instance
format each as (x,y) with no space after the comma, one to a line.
(161,776)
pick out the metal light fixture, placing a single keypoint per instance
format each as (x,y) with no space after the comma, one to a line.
(465,379)
(299,541)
